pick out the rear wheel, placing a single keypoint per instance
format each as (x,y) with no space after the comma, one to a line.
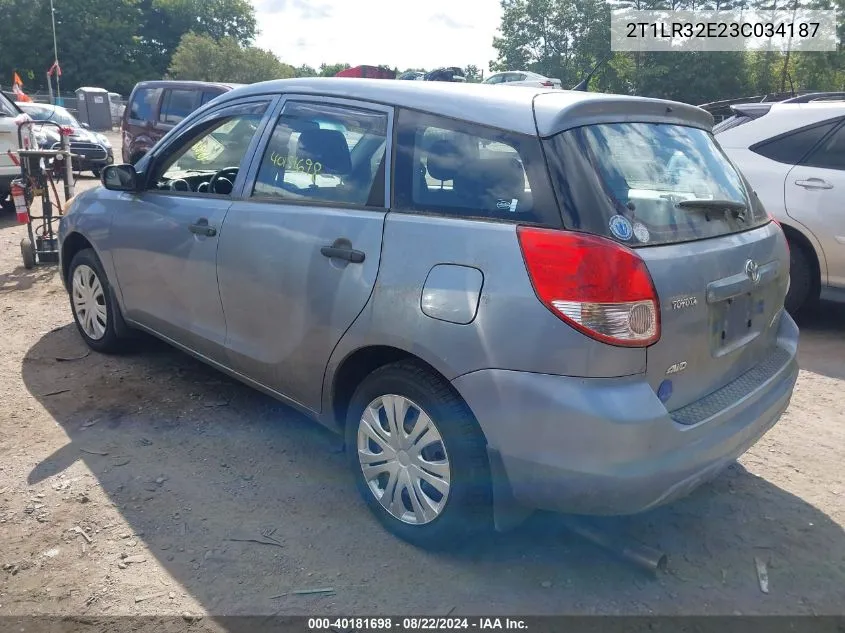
(800,279)
(418,456)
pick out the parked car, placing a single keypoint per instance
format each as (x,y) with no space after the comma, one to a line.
(155,107)
(94,149)
(522,78)
(392,260)
(11,117)
(450,74)
(412,75)
(117,108)
(793,154)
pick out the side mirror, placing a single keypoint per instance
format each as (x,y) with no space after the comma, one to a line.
(86,126)
(120,178)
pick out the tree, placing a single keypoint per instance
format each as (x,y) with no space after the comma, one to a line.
(111,43)
(202,58)
(556,38)
(96,41)
(165,22)
(306,71)
(566,38)
(330,70)
(472,73)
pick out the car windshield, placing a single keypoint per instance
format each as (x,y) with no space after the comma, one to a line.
(50,113)
(672,182)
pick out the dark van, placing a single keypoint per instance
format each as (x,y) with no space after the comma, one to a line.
(155,107)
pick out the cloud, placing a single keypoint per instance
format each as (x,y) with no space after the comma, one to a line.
(449,21)
(270,7)
(373,32)
(310,11)
(307,10)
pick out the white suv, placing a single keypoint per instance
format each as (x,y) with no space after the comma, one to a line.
(793,154)
(9,121)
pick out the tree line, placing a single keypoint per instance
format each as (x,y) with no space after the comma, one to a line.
(116,43)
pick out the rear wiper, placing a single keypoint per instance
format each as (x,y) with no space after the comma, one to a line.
(738,209)
(704,203)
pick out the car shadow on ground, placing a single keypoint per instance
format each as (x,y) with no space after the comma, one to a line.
(822,347)
(203,467)
(22,279)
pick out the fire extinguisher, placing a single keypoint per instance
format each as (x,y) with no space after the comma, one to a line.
(19,196)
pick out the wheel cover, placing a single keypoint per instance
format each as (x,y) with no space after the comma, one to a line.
(403,459)
(89,302)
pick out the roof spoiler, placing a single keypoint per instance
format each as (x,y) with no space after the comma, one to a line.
(752,110)
(584,84)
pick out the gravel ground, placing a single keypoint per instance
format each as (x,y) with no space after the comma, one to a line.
(150,484)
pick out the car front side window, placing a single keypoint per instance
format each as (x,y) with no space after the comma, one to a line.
(208,161)
(324,152)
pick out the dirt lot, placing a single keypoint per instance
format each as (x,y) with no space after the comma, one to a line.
(156,457)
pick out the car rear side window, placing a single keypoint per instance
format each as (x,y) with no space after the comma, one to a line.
(144,103)
(459,169)
(177,104)
(324,152)
(649,183)
(793,147)
(208,96)
(830,154)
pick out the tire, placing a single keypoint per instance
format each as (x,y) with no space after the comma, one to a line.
(6,203)
(800,280)
(99,337)
(27,253)
(465,508)
(96,171)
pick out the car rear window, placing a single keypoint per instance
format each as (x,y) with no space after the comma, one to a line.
(649,183)
(144,103)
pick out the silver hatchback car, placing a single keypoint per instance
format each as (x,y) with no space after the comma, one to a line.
(505,299)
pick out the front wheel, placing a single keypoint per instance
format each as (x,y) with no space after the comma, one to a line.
(92,303)
(418,456)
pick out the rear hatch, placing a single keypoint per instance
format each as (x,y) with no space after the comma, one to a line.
(719,265)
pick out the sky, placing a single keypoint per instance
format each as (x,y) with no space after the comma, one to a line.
(428,34)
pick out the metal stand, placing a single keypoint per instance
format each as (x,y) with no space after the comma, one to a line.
(37,170)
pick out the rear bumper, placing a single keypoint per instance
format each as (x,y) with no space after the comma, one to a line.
(609,446)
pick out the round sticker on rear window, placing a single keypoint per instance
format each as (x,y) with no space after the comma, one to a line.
(621,228)
(641,232)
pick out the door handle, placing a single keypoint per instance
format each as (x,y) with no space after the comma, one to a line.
(342,249)
(201,227)
(814,183)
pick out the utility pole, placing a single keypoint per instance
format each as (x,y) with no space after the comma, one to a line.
(55,53)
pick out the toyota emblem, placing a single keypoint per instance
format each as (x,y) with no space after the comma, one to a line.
(752,269)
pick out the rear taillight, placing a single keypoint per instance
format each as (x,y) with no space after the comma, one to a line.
(547,84)
(597,286)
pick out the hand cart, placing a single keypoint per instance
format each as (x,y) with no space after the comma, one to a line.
(39,171)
